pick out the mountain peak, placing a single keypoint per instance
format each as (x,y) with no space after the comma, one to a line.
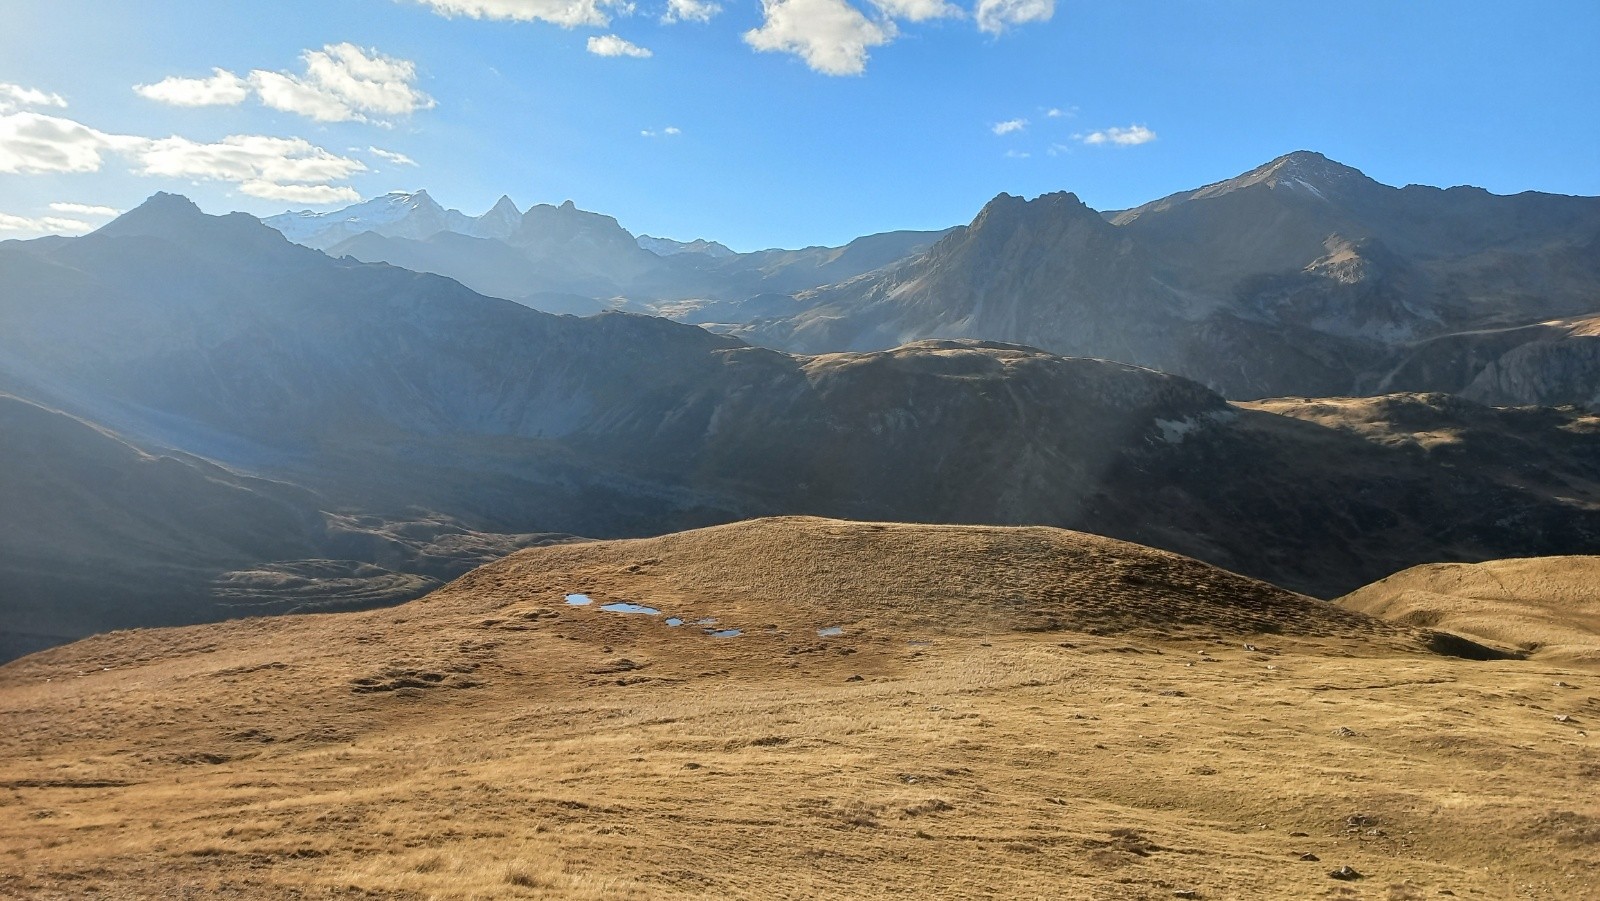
(1005,207)
(176,218)
(1303,172)
(505,205)
(159,213)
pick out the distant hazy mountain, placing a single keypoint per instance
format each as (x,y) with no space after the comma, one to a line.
(399,215)
(385,412)
(565,260)
(1300,277)
(667,247)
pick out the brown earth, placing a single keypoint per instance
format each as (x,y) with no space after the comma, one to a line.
(1006,712)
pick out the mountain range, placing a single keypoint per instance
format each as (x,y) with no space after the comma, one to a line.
(352,433)
(1300,277)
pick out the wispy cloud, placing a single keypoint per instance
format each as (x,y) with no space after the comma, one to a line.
(1131,136)
(690,11)
(1018,154)
(918,10)
(669,131)
(341,83)
(611,45)
(995,16)
(84,209)
(15,95)
(833,37)
(399,159)
(50,225)
(1010,126)
(566,13)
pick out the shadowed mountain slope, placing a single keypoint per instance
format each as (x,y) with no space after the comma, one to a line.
(1302,276)
(393,397)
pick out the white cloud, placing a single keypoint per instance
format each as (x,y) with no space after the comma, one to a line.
(1054,112)
(995,16)
(1018,154)
(917,10)
(245,159)
(399,159)
(611,45)
(1010,126)
(15,95)
(1131,136)
(566,13)
(84,209)
(690,11)
(344,83)
(262,166)
(34,143)
(46,224)
(830,35)
(669,130)
(223,88)
(341,83)
(672,130)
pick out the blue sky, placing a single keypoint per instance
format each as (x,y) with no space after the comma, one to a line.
(792,122)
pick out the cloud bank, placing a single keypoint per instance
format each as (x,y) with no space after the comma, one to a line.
(290,169)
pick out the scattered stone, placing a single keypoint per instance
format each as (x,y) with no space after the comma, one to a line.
(1186,893)
(1563,718)
(1299,834)
(1309,856)
(857,678)
(1345,732)
(1346,873)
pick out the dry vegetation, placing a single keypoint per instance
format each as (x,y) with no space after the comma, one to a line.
(1009,713)
(1548,607)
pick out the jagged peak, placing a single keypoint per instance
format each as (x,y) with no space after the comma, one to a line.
(1005,206)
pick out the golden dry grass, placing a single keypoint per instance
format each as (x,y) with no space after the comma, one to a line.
(1548,606)
(968,735)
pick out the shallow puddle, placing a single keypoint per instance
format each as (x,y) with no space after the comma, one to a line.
(831,632)
(674,621)
(724,633)
(579,600)
(631,608)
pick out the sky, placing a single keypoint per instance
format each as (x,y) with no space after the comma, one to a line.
(773,123)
